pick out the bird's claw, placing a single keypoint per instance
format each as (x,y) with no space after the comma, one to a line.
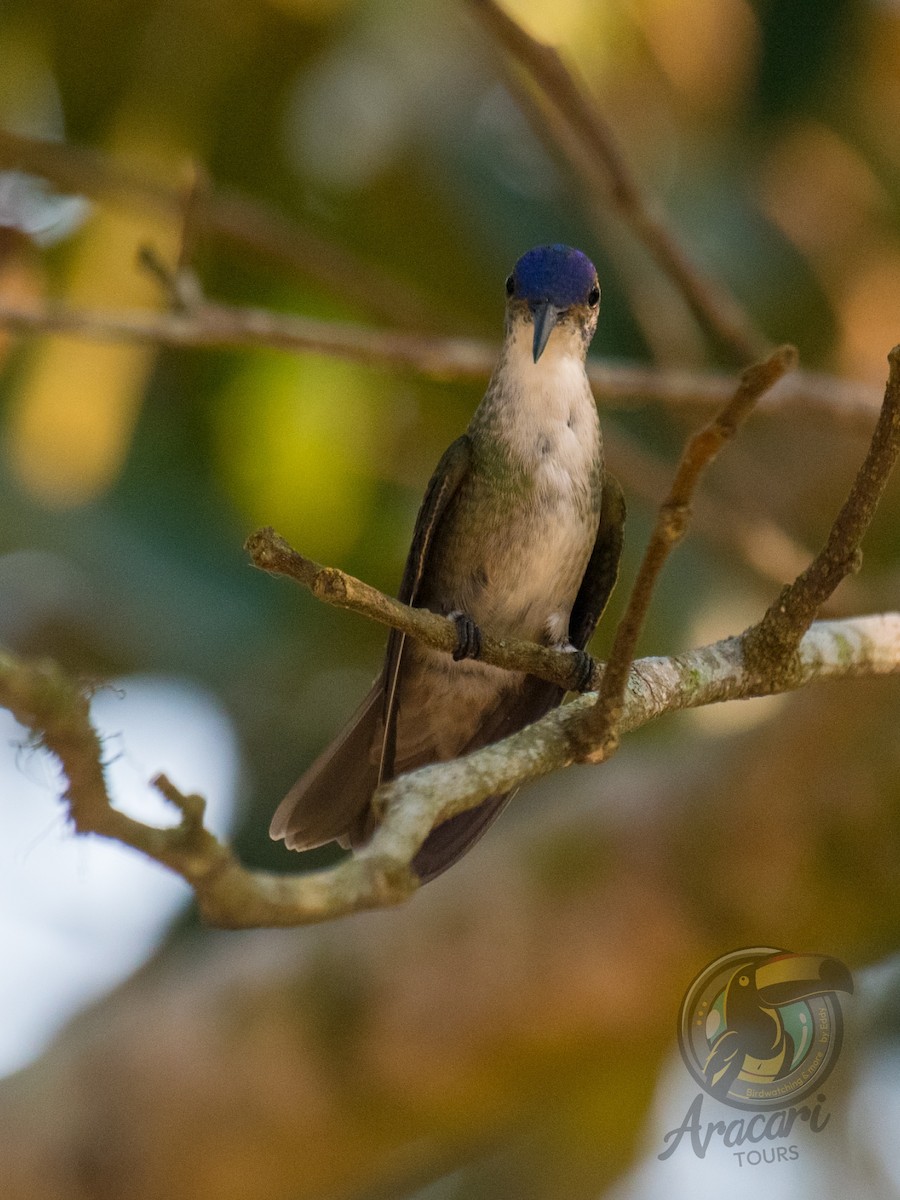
(468,637)
(584,670)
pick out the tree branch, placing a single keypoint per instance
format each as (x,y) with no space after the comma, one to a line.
(764,546)
(272,553)
(620,385)
(42,698)
(596,154)
(412,804)
(597,736)
(771,644)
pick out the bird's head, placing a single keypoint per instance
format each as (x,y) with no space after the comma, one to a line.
(554,288)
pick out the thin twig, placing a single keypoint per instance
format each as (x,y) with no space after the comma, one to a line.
(194,208)
(716,310)
(180,286)
(598,733)
(771,643)
(619,385)
(180,283)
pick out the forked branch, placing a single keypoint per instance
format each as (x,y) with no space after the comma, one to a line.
(230,895)
(598,735)
(770,645)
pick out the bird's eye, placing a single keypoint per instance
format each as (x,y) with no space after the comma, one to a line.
(744,981)
(510,285)
(594,296)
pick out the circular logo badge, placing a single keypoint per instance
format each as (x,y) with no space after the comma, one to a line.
(762,1028)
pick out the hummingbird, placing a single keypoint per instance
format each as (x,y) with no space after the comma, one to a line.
(520,532)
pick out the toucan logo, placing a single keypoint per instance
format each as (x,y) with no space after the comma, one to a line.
(762,1028)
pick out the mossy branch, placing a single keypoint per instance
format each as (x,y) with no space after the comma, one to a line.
(230,895)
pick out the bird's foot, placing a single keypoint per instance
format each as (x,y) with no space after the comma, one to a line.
(468,637)
(584,669)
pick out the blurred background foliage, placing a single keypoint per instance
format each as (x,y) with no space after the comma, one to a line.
(417,1050)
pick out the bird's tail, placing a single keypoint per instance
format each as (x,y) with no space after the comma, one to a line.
(455,837)
(330,801)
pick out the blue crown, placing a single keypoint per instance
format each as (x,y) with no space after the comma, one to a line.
(556,273)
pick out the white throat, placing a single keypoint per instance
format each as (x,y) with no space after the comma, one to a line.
(546,410)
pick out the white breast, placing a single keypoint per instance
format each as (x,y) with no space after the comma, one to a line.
(549,425)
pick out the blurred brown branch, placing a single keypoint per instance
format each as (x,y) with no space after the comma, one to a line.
(596,156)
(619,385)
(245,223)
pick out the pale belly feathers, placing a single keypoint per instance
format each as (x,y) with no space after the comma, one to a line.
(512,561)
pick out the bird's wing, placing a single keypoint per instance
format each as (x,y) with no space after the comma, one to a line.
(330,801)
(603,566)
(454,837)
(443,486)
